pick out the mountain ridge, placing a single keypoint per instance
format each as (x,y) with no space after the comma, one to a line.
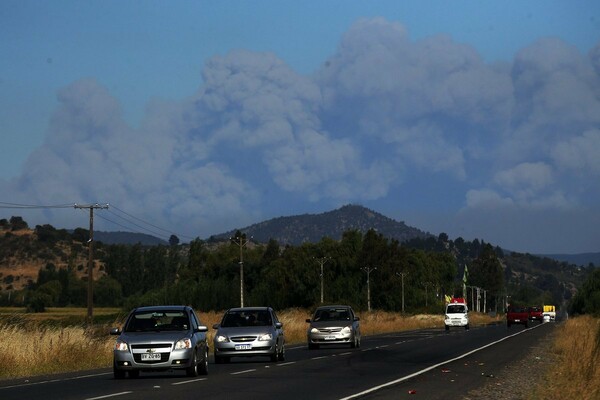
(311,228)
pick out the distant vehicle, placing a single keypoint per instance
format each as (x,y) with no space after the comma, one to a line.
(249,332)
(160,338)
(517,315)
(457,314)
(336,324)
(536,314)
(549,312)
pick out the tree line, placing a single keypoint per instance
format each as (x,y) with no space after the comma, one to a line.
(206,274)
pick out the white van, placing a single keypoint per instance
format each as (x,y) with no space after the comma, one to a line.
(457,314)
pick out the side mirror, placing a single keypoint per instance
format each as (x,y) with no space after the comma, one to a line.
(115,331)
(308,320)
(278,325)
(356,319)
(201,328)
(216,326)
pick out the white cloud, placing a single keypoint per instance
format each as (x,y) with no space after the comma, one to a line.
(580,153)
(526,179)
(486,199)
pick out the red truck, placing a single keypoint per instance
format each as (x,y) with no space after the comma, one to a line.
(536,314)
(517,315)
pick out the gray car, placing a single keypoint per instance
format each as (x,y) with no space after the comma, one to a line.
(249,332)
(160,338)
(335,324)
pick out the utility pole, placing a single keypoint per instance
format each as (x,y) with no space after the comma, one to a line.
(426,284)
(402,275)
(241,241)
(368,271)
(322,262)
(484,300)
(90,290)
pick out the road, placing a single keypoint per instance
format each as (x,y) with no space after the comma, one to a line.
(433,363)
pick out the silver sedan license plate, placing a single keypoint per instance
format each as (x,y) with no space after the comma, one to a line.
(150,356)
(243,347)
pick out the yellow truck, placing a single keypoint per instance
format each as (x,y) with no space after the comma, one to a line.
(549,312)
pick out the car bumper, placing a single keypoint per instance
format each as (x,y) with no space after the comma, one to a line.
(232,349)
(456,322)
(329,338)
(176,359)
(523,321)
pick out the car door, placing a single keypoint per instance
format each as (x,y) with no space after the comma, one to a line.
(278,326)
(199,337)
(355,323)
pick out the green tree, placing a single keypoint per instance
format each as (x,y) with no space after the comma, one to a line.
(587,299)
(486,272)
(173,240)
(17,223)
(107,292)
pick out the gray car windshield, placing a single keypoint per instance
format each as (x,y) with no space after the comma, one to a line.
(332,314)
(236,318)
(158,321)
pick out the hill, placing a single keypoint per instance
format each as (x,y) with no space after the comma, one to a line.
(311,228)
(583,259)
(127,238)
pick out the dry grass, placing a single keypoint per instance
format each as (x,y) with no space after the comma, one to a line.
(576,374)
(26,351)
(34,344)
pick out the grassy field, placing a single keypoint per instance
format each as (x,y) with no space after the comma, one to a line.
(576,373)
(59,341)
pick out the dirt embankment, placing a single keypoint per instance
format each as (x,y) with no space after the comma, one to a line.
(23,255)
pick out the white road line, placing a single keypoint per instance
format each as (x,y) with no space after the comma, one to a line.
(319,358)
(190,381)
(54,380)
(108,396)
(404,378)
(243,372)
(287,363)
(345,354)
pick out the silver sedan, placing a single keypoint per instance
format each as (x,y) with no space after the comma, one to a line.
(249,332)
(333,325)
(160,338)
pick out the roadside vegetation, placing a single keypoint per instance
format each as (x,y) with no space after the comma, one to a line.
(58,340)
(576,372)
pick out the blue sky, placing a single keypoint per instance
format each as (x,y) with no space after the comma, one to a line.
(473,118)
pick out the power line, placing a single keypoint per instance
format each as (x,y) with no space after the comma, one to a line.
(7,205)
(33,206)
(145,222)
(132,223)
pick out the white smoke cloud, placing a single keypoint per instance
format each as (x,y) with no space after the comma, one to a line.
(383,112)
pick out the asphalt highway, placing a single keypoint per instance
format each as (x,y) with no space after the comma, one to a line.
(427,364)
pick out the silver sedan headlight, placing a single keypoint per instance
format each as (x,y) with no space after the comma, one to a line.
(314,330)
(121,346)
(346,329)
(183,344)
(222,339)
(266,336)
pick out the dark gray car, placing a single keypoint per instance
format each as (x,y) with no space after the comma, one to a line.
(249,332)
(160,338)
(335,324)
